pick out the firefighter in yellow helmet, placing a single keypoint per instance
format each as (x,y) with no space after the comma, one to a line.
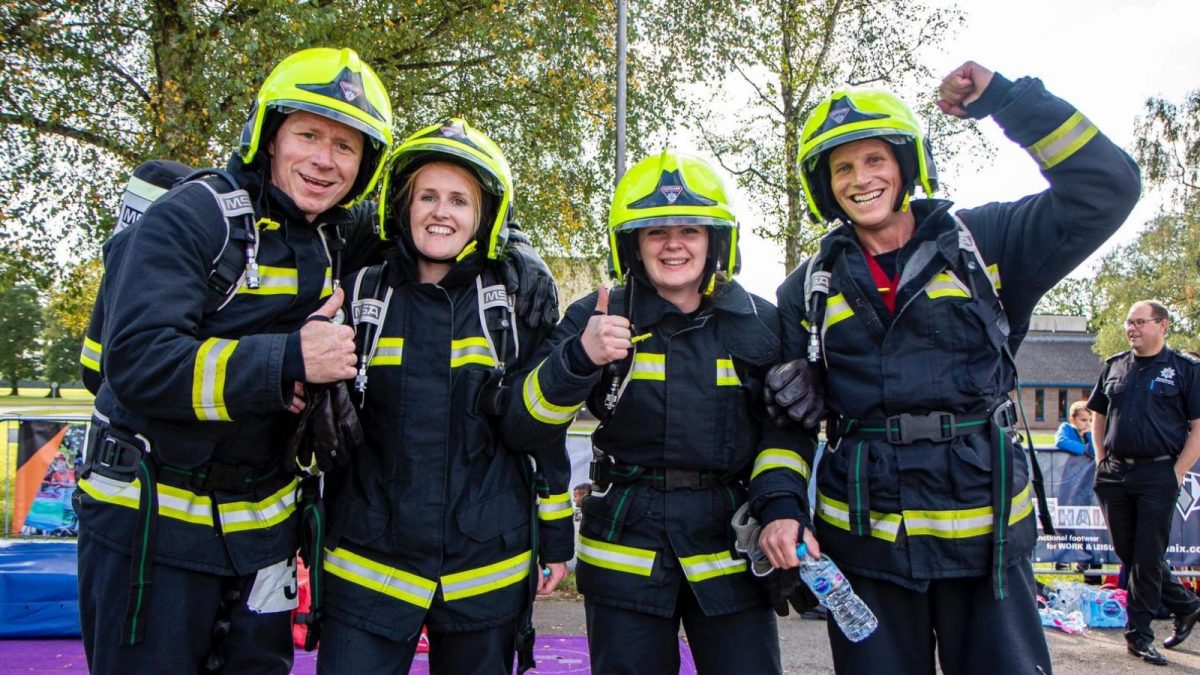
(909,313)
(189,522)
(671,361)
(435,522)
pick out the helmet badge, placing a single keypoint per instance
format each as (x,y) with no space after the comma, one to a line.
(350,90)
(671,192)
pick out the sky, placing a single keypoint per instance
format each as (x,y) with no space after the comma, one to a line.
(1106,57)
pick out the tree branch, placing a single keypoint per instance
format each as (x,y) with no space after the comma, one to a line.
(90,138)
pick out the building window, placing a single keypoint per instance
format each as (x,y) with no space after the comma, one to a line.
(1063,404)
(1039,405)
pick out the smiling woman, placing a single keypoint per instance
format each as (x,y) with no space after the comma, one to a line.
(444,202)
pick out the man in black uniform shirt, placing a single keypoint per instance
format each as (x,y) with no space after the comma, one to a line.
(1145,428)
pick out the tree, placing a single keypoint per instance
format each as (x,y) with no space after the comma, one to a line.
(1164,262)
(1070,297)
(789,54)
(66,319)
(20,325)
(92,88)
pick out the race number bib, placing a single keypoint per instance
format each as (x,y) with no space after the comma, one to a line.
(274,588)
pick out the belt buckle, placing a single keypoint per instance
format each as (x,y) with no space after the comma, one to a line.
(600,484)
(1005,415)
(111,451)
(905,428)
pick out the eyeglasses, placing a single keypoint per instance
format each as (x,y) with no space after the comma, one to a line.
(1138,323)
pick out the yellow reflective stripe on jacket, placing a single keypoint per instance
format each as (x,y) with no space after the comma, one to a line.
(945,524)
(485,579)
(470,350)
(539,408)
(836,310)
(555,507)
(388,352)
(616,557)
(89,356)
(993,272)
(173,502)
(963,523)
(373,576)
(946,285)
(273,281)
(649,366)
(778,458)
(1064,141)
(883,525)
(726,375)
(327,284)
(710,565)
(208,378)
(243,516)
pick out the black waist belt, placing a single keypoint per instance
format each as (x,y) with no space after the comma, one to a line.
(907,428)
(605,473)
(115,454)
(1130,461)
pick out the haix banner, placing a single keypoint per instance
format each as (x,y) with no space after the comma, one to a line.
(1081,533)
(47,455)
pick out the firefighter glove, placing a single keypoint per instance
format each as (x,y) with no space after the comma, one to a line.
(795,391)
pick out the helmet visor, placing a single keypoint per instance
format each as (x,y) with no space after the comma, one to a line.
(415,150)
(893,136)
(288,107)
(671,221)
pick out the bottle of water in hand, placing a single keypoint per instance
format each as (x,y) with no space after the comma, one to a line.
(832,589)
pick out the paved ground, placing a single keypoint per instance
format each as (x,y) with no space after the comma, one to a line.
(805,646)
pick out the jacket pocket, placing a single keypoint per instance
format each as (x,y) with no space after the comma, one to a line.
(358,522)
(492,516)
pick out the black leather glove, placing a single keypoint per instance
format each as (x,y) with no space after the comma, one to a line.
(795,391)
(527,275)
(785,587)
(329,431)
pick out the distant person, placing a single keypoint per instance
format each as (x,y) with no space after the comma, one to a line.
(1079,472)
(1146,425)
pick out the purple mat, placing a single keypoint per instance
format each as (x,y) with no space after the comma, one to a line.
(554,654)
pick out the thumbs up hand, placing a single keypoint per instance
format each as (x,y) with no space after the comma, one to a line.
(605,338)
(327,348)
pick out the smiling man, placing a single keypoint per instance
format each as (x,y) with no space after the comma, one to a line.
(188,514)
(1146,430)
(910,313)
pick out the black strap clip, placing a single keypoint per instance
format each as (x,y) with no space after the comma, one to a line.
(906,428)
(112,453)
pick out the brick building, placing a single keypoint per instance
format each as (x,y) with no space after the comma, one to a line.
(1056,366)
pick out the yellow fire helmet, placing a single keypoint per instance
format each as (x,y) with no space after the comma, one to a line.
(333,83)
(853,115)
(455,141)
(672,188)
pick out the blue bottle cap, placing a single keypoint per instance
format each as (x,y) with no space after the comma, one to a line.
(801,550)
(546,572)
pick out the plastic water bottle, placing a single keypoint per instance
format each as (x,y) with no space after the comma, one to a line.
(832,589)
